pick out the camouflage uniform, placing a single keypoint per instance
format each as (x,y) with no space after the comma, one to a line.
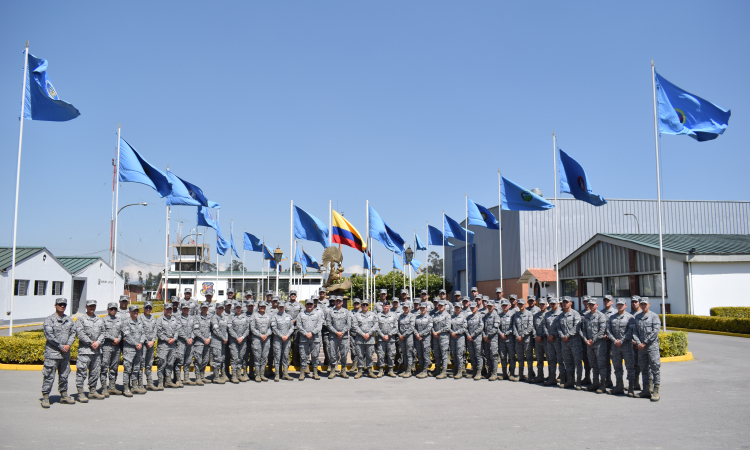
(620,328)
(89,330)
(365,323)
(569,325)
(353,348)
(132,335)
(647,328)
(219,334)
(309,348)
(260,324)
(166,329)
(584,352)
(458,343)
(595,328)
(475,329)
(202,332)
(110,358)
(554,348)
(339,320)
(406,331)
(540,348)
(59,332)
(184,351)
(423,327)
(387,326)
(238,327)
(294,309)
(282,324)
(495,346)
(441,324)
(147,354)
(608,313)
(523,327)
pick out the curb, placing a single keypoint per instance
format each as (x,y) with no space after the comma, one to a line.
(686,357)
(720,333)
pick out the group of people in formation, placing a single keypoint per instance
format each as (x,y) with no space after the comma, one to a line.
(243,340)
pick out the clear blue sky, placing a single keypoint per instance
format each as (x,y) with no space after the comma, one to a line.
(406,104)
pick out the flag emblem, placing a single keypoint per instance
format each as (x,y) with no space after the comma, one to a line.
(51,91)
(206,287)
(680,115)
(582,183)
(484,216)
(526,196)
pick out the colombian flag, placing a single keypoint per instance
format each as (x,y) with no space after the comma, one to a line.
(345,233)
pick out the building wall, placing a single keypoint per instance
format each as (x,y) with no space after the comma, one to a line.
(719,284)
(98,277)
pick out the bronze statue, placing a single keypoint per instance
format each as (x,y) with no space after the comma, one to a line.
(333,261)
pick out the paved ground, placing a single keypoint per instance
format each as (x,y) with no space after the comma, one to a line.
(704,405)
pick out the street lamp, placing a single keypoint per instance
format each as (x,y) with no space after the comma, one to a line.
(179,252)
(277,255)
(132,204)
(408,255)
(636,221)
(112,233)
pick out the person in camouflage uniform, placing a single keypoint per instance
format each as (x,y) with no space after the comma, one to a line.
(167,333)
(386,335)
(353,348)
(282,327)
(441,331)
(219,340)
(540,340)
(423,335)
(523,332)
(339,322)
(646,335)
(608,312)
(260,328)
(122,316)
(458,340)
(293,308)
(594,332)
(249,358)
(148,322)
(90,331)
(584,353)
(132,336)
(474,334)
(569,331)
(184,348)
(238,328)
(59,335)
(504,337)
(635,311)
(364,327)
(554,343)
(201,325)
(110,358)
(406,338)
(620,333)
(309,325)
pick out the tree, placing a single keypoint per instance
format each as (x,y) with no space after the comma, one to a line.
(125,276)
(237,266)
(393,282)
(140,278)
(435,264)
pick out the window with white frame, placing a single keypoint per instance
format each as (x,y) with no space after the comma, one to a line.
(40,287)
(57,287)
(650,285)
(21,287)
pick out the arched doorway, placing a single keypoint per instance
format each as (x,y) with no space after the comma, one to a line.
(537,290)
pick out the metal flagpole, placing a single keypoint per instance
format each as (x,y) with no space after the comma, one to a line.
(18,181)
(291,242)
(658,196)
(557,219)
(217,255)
(117,203)
(369,247)
(466,235)
(427,261)
(443,249)
(231,256)
(166,254)
(500,223)
(373,273)
(262,271)
(330,225)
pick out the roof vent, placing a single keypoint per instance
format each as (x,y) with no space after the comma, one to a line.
(537,191)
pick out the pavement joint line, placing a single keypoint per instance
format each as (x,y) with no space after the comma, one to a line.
(719,333)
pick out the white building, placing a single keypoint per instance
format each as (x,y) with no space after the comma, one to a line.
(92,279)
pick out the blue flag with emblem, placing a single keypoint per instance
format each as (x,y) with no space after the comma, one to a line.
(41,101)
(479,215)
(309,228)
(222,245)
(681,112)
(573,181)
(205,219)
(231,240)
(456,231)
(382,233)
(397,263)
(135,169)
(436,237)
(516,198)
(186,193)
(414,264)
(310,261)
(252,243)
(418,242)
(299,259)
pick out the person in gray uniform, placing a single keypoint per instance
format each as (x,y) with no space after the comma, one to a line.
(382,298)
(110,361)
(339,323)
(123,316)
(167,333)
(608,312)
(441,331)
(309,325)
(386,336)
(531,304)
(620,328)
(635,311)
(513,303)
(249,358)
(474,334)
(357,359)
(504,337)
(238,328)
(184,348)
(148,323)
(458,340)
(523,331)
(423,335)
(646,335)
(219,339)
(132,336)
(406,338)
(584,353)
(202,344)
(540,341)
(595,332)
(90,331)
(569,331)
(293,308)
(282,327)
(364,326)
(60,335)
(554,343)
(260,328)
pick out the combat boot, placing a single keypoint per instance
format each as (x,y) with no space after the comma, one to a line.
(307,369)
(93,395)
(513,378)
(601,389)
(406,374)
(493,375)
(168,383)
(331,373)
(82,396)
(219,377)
(243,375)
(263,376)
(618,389)
(160,384)
(285,375)
(586,380)
(45,401)
(391,373)
(126,391)
(358,375)
(301,375)
(477,375)
(458,375)
(198,378)
(105,392)
(443,374)
(578,386)
(257,375)
(113,388)
(655,396)
(150,385)
(592,387)
(66,399)
(568,385)
(315,372)
(422,374)
(234,379)
(186,379)
(631,391)
(644,394)
(380,372)
(139,387)
(504,375)
(344,374)
(178,383)
(276,377)
(371,373)
(551,381)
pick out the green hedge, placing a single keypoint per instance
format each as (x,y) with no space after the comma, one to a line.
(731,311)
(709,323)
(157,308)
(673,343)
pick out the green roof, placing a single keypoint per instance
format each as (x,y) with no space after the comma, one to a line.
(6,255)
(704,244)
(75,264)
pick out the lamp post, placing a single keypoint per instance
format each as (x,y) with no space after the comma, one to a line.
(409,254)
(636,221)
(277,255)
(179,252)
(111,248)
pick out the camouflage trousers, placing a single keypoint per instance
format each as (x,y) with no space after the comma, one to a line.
(147,361)
(585,359)
(554,358)
(339,348)
(608,359)
(308,351)
(88,365)
(165,360)
(572,354)
(524,354)
(281,353)
(637,370)
(201,353)
(650,362)
(110,361)
(386,352)
(62,367)
(295,349)
(458,352)
(507,351)
(597,354)
(218,353)
(423,348)
(366,352)
(356,354)
(475,354)
(237,352)
(618,354)
(441,347)
(131,362)
(540,351)
(260,353)
(407,346)
(183,356)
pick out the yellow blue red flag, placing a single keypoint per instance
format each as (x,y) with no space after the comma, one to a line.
(345,233)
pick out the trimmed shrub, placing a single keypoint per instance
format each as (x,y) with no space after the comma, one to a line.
(731,311)
(673,343)
(158,307)
(709,323)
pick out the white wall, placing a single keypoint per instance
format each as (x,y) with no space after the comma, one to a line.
(676,289)
(99,285)
(720,284)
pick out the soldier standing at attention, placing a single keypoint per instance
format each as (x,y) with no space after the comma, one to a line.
(441,329)
(90,331)
(406,338)
(523,330)
(184,349)
(339,323)
(282,327)
(531,305)
(554,346)
(60,335)
(260,327)
(364,326)
(386,335)
(474,334)
(353,347)
(646,335)
(382,298)
(238,329)
(584,353)
(122,316)
(540,340)
(423,335)
(635,311)
(202,344)
(514,303)
(608,311)
(309,325)
(219,340)
(248,357)
(458,341)
(167,333)
(620,333)
(595,331)
(148,322)
(132,337)
(194,309)
(293,308)
(112,336)
(504,338)
(569,331)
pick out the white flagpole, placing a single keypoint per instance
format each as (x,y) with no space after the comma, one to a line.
(369,247)
(658,196)
(427,261)
(18,181)
(117,203)
(557,218)
(166,254)
(243,261)
(217,255)
(291,242)
(330,225)
(466,235)
(443,249)
(262,268)
(500,222)
(231,257)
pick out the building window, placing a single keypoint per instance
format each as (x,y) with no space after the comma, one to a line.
(651,285)
(618,286)
(21,288)
(593,287)
(40,287)
(570,288)
(57,287)
(221,292)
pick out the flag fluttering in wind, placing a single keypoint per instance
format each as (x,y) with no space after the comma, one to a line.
(437,238)
(309,227)
(231,240)
(186,193)
(384,234)
(397,263)
(267,255)
(252,243)
(343,232)
(573,181)
(516,198)
(205,219)
(134,168)
(41,99)
(479,215)
(418,242)
(456,231)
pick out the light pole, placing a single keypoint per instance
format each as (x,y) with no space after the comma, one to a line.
(409,254)
(111,248)
(277,255)
(179,252)
(636,221)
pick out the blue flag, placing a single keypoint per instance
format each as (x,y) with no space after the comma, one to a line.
(299,259)
(414,264)
(456,231)
(221,244)
(133,168)
(267,255)
(310,261)
(309,228)
(41,101)
(384,234)
(436,237)
(188,194)
(252,243)
(418,242)
(570,171)
(397,263)
(231,240)
(516,198)
(479,215)
(681,112)
(205,219)
(366,262)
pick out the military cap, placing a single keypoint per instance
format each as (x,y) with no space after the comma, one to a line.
(608,297)
(111,305)
(64,301)
(531,297)
(262,303)
(441,291)
(565,298)
(478,296)
(423,292)
(513,297)
(190,290)
(293,292)
(404,291)
(205,305)
(322,290)
(458,305)
(383,291)
(457,293)
(356,301)
(644,300)
(133,308)
(248,293)
(275,298)
(474,289)
(491,302)
(124,298)
(406,305)
(395,299)
(148,304)
(210,291)
(269,292)
(309,301)
(504,301)
(423,305)
(472,304)
(499,289)
(592,301)
(168,306)
(466,299)
(552,300)
(485,298)
(184,305)
(220,304)
(550,295)
(542,300)
(90,302)
(281,305)
(635,298)
(621,301)
(230,289)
